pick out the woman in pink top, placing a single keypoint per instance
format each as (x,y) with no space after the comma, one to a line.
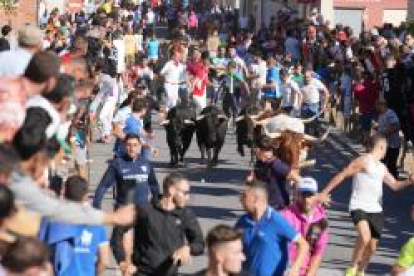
(311,222)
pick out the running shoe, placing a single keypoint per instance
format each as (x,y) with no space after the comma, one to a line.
(351,271)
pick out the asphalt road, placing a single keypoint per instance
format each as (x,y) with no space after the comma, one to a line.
(215,198)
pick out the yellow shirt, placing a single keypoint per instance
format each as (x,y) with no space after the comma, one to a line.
(107,7)
(130,48)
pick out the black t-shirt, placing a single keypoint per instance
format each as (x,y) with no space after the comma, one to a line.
(4,44)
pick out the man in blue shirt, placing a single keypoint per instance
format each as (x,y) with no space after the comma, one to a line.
(266,235)
(76,249)
(153,48)
(271,90)
(134,124)
(134,178)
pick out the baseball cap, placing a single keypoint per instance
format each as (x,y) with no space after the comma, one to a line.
(307,184)
(30,35)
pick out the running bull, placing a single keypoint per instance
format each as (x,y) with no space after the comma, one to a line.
(180,127)
(211,128)
(291,143)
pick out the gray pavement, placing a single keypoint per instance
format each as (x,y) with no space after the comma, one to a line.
(215,196)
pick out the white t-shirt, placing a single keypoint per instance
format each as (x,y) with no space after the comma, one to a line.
(174,74)
(13,63)
(139,41)
(259,69)
(311,91)
(119,44)
(367,187)
(150,17)
(287,89)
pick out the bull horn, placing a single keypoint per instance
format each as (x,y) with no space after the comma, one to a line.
(254,117)
(165,122)
(307,163)
(239,118)
(189,122)
(221,116)
(317,140)
(309,120)
(271,135)
(200,117)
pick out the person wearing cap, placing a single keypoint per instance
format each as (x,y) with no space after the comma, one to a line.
(310,221)
(13,62)
(369,176)
(267,234)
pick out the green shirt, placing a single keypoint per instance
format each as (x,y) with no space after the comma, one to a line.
(299,79)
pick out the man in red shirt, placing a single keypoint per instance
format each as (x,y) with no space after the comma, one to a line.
(366,91)
(198,70)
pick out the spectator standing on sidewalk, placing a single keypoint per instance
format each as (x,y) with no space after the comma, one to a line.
(389,126)
(365,206)
(366,92)
(266,235)
(13,62)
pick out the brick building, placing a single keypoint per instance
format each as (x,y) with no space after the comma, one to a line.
(354,13)
(25,11)
(371,13)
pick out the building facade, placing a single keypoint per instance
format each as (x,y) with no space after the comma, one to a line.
(24,11)
(368,13)
(354,13)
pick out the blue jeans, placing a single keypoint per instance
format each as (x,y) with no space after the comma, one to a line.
(308,111)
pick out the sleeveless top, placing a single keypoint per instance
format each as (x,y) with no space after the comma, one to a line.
(367,187)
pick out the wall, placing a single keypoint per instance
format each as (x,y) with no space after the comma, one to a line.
(26,12)
(410,16)
(374,8)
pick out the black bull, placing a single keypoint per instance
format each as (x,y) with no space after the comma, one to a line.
(211,128)
(180,127)
(246,132)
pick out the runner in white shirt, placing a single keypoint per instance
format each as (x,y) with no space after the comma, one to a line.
(291,95)
(369,174)
(258,72)
(174,73)
(312,102)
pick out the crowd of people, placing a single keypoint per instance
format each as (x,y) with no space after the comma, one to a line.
(105,70)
